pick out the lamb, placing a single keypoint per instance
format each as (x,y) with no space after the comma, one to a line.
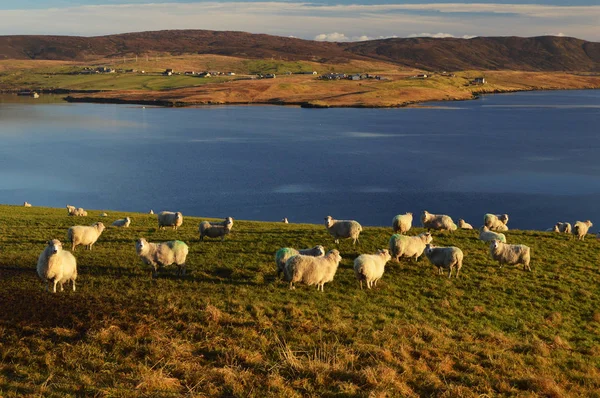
(440,222)
(56,265)
(26,204)
(464,225)
(170,219)
(402,223)
(215,230)
(122,223)
(312,270)
(162,254)
(510,254)
(408,246)
(563,227)
(496,222)
(85,235)
(580,228)
(345,229)
(283,254)
(445,257)
(487,236)
(370,267)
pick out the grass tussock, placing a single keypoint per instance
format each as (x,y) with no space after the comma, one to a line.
(230,328)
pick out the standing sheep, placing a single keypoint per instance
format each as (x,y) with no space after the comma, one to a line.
(285,220)
(170,219)
(408,246)
(487,236)
(215,230)
(122,223)
(440,222)
(312,270)
(402,223)
(563,227)
(344,229)
(510,254)
(370,267)
(580,228)
(445,257)
(464,225)
(161,254)
(56,265)
(85,235)
(285,253)
(26,204)
(496,222)
(70,210)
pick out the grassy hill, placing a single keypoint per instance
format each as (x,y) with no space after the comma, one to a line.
(230,328)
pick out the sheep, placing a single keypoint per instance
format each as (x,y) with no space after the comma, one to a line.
(496,222)
(85,235)
(285,220)
(487,236)
(445,257)
(151,211)
(162,254)
(122,223)
(402,223)
(370,267)
(464,225)
(510,254)
(580,228)
(70,209)
(345,229)
(283,254)
(215,230)
(170,219)
(80,212)
(553,229)
(227,220)
(440,222)
(26,204)
(56,265)
(408,246)
(312,270)
(562,227)
(103,215)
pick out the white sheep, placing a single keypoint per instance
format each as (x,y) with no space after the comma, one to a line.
(370,267)
(70,210)
(151,211)
(215,230)
(580,228)
(402,223)
(487,236)
(283,254)
(26,204)
(78,212)
(344,229)
(85,235)
(562,227)
(225,222)
(464,225)
(103,215)
(56,265)
(440,222)
(285,220)
(162,254)
(122,223)
(312,270)
(510,254)
(408,246)
(450,257)
(169,219)
(496,222)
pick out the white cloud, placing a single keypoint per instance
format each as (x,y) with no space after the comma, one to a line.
(335,36)
(439,35)
(559,34)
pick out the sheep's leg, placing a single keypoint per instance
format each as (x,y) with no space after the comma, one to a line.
(360,282)
(73,284)
(72,246)
(55,283)
(450,273)
(62,289)
(292,286)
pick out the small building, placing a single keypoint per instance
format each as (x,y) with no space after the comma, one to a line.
(333,76)
(479,80)
(270,76)
(204,74)
(168,72)
(189,73)
(230,73)
(421,76)
(314,72)
(354,77)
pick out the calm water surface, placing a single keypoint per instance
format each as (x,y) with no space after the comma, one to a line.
(533,155)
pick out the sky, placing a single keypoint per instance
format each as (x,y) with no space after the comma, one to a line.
(330,20)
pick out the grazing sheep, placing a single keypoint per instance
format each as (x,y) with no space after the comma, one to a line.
(496,222)
(151,211)
(445,257)
(215,230)
(170,219)
(103,215)
(122,223)
(562,227)
(56,265)
(285,220)
(402,223)
(312,270)
(487,236)
(344,229)
(26,204)
(510,254)
(370,267)
(580,228)
(85,235)
(283,254)
(440,222)
(161,254)
(464,225)
(70,209)
(408,246)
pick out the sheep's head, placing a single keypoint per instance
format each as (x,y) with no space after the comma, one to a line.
(335,254)
(427,238)
(284,220)
(178,215)
(140,245)
(428,248)
(55,246)
(99,226)
(503,218)
(328,221)
(495,244)
(385,253)
(484,228)
(589,223)
(127,219)
(320,249)
(409,213)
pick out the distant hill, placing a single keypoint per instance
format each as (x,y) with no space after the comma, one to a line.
(545,53)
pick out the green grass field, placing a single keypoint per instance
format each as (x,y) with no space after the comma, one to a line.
(229,328)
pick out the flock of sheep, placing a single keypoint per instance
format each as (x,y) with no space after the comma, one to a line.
(311,266)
